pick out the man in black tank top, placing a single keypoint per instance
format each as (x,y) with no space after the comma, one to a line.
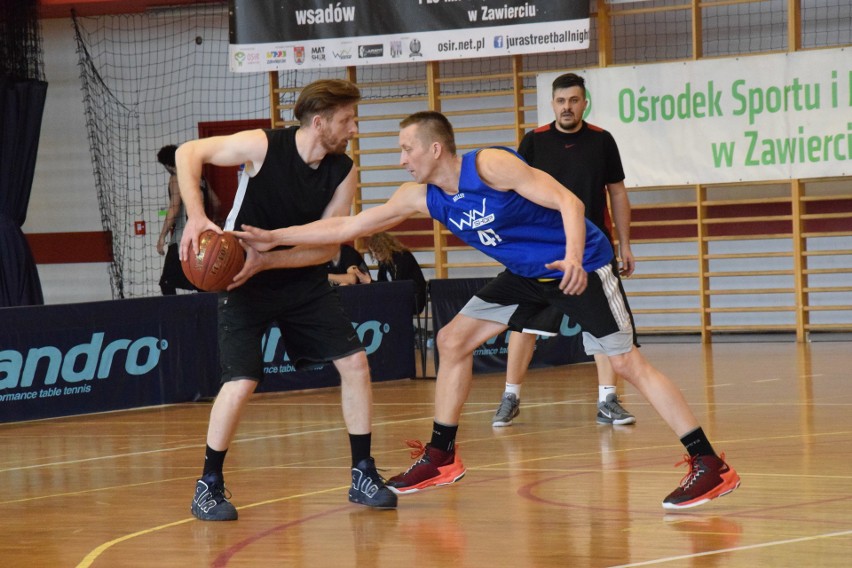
(292,176)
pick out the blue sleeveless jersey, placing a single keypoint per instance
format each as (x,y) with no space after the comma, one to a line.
(521,235)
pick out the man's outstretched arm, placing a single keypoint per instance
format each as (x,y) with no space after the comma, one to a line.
(408,200)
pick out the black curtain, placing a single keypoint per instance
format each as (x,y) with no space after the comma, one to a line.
(21,110)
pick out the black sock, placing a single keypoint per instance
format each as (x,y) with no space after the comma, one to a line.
(443,436)
(360,445)
(214,461)
(697,444)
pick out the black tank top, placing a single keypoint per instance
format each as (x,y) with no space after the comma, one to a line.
(286,192)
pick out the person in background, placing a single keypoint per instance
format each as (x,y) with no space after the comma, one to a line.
(347,268)
(173,277)
(396,262)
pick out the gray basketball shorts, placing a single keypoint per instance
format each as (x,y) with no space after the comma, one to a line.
(531,305)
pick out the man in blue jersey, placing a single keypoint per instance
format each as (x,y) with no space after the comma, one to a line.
(292,176)
(523,218)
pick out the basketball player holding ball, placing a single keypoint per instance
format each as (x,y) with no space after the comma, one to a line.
(292,176)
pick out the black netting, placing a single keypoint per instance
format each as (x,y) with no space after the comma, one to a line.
(658,30)
(148,80)
(21,55)
(826,23)
(738,29)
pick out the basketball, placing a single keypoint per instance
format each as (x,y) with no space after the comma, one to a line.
(219,259)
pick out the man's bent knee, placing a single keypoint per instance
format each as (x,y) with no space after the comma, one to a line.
(449,342)
(354,365)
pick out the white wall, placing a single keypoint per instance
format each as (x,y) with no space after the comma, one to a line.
(64,198)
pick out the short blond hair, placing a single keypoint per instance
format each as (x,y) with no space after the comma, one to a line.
(435,125)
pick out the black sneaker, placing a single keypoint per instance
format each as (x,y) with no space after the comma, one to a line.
(368,487)
(210,502)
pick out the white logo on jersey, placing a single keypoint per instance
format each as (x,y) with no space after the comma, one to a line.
(489,237)
(474,219)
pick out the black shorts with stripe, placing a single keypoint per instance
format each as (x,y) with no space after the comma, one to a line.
(527,304)
(548,321)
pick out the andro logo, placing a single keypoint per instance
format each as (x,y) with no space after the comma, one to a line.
(474,219)
(567,329)
(376,332)
(370,330)
(82,362)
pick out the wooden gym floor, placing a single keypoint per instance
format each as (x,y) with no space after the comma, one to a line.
(556,489)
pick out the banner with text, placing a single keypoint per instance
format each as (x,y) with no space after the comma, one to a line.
(93,357)
(763,117)
(302,34)
(98,356)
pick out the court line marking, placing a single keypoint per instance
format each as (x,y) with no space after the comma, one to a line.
(735,549)
(92,556)
(238,440)
(224,557)
(342,428)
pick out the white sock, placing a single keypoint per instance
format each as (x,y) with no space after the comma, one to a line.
(514,389)
(604,390)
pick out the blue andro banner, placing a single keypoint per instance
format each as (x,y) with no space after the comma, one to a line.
(450,295)
(93,357)
(81,358)
(271,36)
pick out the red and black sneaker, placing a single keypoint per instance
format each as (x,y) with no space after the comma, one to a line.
(434,468)
(708,477)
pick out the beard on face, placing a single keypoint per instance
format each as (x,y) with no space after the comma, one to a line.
(567,121)
(333,144)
